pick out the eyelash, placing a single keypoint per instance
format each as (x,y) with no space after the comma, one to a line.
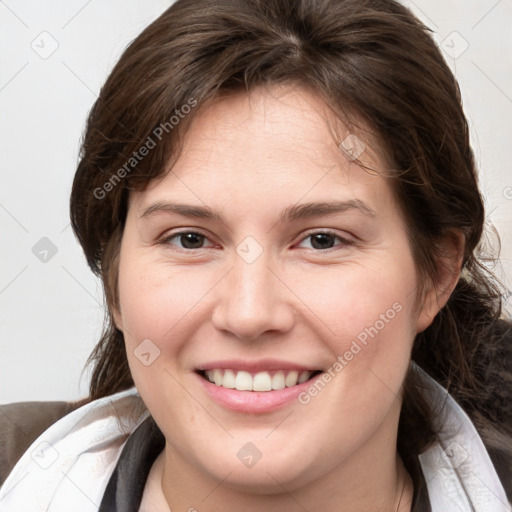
(344,241)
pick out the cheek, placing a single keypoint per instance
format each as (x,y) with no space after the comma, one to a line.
(155,299)
(370,313)
(155,306)
(347,299)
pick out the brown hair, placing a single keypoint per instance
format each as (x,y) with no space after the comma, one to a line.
(372,61)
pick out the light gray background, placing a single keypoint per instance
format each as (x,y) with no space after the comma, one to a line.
(50,304)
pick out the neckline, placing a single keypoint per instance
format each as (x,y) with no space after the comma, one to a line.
(126,485)
(125,489)
(153,497)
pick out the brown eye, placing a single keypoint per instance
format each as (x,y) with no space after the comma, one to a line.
(322,240)
(188,240)
(191,240)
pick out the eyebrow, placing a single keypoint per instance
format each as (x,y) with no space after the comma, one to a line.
(291,213)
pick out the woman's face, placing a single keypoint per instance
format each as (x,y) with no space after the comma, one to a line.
(269,283)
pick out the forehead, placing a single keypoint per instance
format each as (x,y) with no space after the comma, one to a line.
(273,118)
(278,142)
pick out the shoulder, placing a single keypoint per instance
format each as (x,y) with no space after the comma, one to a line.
(491,409)
(21,423)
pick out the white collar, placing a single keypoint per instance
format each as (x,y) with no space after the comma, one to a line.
(71,462)
(459,473)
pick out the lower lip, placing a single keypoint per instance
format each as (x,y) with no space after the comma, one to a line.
(254,401)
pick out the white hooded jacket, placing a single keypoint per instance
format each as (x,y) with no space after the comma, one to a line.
(73,465)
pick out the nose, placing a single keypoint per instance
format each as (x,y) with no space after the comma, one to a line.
(252,300)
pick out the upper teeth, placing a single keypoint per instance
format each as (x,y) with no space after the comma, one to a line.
(262,381)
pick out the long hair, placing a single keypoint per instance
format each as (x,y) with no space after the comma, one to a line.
(375,64)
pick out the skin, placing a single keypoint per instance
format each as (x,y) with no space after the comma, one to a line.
(249,156)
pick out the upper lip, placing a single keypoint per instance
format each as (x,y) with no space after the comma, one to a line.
(260,365)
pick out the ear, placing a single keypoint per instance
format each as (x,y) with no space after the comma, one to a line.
(118,319)
(449,267)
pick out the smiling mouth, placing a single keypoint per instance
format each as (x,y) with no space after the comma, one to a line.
(260,381)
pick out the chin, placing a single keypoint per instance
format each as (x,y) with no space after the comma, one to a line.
(269,475)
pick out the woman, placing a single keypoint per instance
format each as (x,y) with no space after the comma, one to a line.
(281,200)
